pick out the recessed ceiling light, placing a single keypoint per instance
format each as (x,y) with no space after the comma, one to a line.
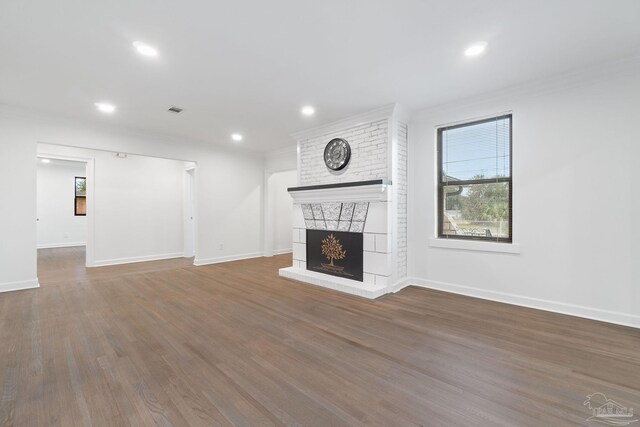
(145,50)
(308,110)
(476,49)
(105,107)
(46,161)
(236,137)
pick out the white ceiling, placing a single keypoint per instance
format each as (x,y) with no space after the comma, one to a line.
(249,66)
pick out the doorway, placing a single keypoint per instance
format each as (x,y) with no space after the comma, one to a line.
(63,194)
(61,203)
(138,209)
(190,211)
(278,212)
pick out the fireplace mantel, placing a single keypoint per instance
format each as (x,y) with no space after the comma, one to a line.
(360,191)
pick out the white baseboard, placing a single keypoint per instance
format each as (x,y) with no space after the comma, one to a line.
(61,245)
(283,251)
(619,318)
(18,286)
(105,262)
(218,260)
(401,284)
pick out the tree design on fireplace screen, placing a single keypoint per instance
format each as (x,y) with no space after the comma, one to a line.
(335,253)
(332,249)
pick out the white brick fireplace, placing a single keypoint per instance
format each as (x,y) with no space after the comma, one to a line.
(367,197)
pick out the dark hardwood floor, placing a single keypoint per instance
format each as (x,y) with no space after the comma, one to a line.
(68,265)
(166,343)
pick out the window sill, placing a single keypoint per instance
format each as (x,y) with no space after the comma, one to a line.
(473,245)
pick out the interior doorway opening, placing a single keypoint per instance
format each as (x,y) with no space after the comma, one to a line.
(61,205)
(190,211)
(132,208)
(278,212)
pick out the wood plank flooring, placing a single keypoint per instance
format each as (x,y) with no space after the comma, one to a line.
(170,344)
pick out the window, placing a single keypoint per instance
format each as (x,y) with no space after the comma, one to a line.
(80,200)
(474,180)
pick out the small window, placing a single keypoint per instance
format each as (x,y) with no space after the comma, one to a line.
(474,180)
(80,200)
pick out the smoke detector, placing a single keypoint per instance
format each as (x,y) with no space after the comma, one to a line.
(174,109)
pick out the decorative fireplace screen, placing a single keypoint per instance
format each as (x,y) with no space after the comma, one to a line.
(335,216)
(335,252)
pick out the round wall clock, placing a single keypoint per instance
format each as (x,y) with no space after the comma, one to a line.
(337,154)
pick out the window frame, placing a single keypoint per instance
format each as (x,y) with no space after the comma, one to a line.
(75,197)
(442,184)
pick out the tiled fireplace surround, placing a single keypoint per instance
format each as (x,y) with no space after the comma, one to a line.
(368,197)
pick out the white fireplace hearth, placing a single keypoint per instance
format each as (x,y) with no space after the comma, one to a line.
(366,200)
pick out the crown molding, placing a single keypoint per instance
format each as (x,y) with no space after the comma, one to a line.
(384,112)
(402,114)
(279,152)
(40,119)
(629,65)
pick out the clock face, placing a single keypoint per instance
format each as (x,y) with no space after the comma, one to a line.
(337,154)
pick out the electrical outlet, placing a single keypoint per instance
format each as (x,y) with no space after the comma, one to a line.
(65,235)
(221,246)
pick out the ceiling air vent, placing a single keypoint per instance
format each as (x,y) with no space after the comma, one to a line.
(175,110)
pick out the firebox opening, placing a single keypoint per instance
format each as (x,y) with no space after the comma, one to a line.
(336,253)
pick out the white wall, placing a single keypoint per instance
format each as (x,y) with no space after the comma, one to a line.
(57,224)
(138,208)
(18,205)
(576,201)
(281,207)
(229,185)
